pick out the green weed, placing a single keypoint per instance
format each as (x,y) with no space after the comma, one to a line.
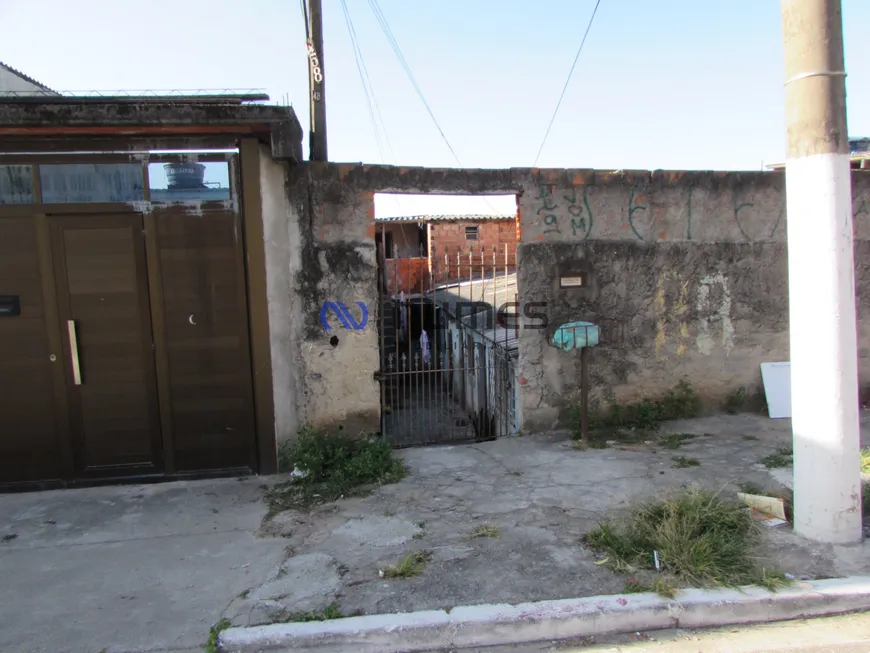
(735,401)
(773,580)
(409,566)
(334,466)
(485,530)
(676,440)
(213,645)
(701,540)
(331,611)
(782,457)
(635,422)
(681,462)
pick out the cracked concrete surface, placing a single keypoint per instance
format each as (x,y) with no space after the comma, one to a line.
(543,495)
(150,568)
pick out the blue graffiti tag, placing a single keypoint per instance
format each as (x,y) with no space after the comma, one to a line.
(344,315)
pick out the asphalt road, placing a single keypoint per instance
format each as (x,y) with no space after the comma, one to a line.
(842,634)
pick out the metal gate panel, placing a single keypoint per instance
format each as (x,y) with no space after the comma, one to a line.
(441,377)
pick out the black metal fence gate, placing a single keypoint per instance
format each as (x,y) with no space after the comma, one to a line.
(446,369)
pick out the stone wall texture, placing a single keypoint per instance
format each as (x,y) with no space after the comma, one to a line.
(687,270)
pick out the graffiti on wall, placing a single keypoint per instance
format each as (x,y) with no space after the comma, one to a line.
(579,219)
(568,213)
(714,314)
(713,324)
(342,312)
(669,311)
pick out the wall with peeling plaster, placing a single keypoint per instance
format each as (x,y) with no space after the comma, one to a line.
(339,265)
(687,271)
(282,218)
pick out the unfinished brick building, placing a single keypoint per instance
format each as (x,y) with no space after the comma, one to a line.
(425,249)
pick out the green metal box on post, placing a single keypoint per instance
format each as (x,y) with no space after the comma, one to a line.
(582,336)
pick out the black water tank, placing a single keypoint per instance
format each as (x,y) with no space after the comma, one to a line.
(184,175)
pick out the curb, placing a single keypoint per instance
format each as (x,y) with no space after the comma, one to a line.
(500,624)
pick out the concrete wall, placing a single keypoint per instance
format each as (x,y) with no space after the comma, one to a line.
(283,216)
(340,265)
(336,243)
(686,269)
(688,272)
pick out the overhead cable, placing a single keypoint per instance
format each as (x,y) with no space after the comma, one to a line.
(567,81)
(382,20)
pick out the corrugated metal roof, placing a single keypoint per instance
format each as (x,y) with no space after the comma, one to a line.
(501,337)
(479,296)
(478,301)
(470,217)
(28,79)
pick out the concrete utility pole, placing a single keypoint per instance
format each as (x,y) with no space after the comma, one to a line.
(316,82)
(822,330)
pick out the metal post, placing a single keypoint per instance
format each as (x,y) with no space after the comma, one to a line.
(822,330)
(584,395)
(316,83)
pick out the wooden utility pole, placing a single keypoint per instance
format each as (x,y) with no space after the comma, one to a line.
(822,330)
(316,83)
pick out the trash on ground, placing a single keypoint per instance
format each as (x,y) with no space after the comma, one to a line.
(768,510)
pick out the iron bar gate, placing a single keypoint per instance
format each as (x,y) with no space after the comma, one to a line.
(447,371)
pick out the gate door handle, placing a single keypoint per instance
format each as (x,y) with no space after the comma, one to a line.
(74,351)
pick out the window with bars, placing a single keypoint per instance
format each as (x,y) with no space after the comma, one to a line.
(471,233)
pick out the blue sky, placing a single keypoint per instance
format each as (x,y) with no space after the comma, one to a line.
(679,84)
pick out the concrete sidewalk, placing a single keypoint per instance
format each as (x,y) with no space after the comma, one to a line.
(152,567)
(128,569)
(537,495)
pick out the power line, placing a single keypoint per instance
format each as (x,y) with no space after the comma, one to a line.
(382,20)
(567,81)
(391,39)
(372,100)
(357,54)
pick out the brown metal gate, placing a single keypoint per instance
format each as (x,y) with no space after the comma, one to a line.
(124,342)
(442,367)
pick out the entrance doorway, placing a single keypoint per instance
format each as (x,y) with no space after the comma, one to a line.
(125,347)
(446,362)
(102,300)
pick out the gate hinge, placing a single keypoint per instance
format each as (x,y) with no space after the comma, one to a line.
(379,375)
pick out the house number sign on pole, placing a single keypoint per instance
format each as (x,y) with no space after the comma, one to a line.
(315,63)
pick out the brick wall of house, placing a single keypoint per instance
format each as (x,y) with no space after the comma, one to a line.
(409,275)
(452,256)
(455,257)
(450,237)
